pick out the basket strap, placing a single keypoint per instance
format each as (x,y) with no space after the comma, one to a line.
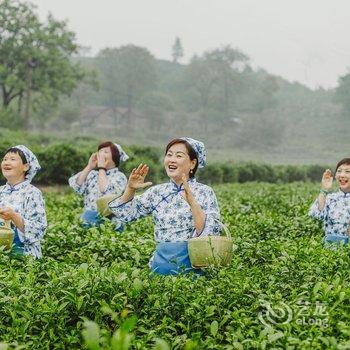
(226,230)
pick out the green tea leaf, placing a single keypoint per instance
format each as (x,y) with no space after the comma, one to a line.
(214,328)
(91,335)
(161,344)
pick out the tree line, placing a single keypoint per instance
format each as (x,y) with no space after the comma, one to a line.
(46,83)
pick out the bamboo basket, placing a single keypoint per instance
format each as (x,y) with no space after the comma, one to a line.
(211,250)
(102,204)
(6,234)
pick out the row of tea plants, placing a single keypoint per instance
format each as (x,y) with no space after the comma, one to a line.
(93,288)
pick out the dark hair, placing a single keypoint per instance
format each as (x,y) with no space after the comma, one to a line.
(342,162)
(191,152)
(21,155)
(114,151)
(19,152)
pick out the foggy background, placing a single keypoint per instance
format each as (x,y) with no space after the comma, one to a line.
(304,41)
(261,81)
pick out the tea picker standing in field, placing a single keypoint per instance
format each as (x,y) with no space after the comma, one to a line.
(334,207)
(99,178)
(182,208)
(21,202)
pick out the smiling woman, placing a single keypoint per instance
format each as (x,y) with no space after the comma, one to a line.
(175,161)
(334,208)
(21,202)
(181,208)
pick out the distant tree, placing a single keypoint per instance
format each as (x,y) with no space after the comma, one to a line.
(34,57)
(215,70)
(200,76)
(177,50)
(228,62)
(62,116)
(342,92)
(127,74)
(82,96)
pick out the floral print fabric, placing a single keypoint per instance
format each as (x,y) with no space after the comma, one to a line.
(90,190)
(172,214)
(28,201)
(335,214)
(199,148)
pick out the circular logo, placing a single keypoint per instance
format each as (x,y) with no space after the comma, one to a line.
(278,314)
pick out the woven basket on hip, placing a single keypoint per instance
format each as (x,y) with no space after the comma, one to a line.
(102,204)
(6,234)
(211,250)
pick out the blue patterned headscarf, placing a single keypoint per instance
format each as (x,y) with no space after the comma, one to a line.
(199,148)
(32,161)
(123,155)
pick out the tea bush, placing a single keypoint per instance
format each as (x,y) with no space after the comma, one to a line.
(92,289)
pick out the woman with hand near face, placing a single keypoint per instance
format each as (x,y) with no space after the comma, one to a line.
(21,202)
(181,208)
(99,178)
(333,208)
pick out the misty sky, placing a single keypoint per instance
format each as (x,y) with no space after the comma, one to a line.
(302,40)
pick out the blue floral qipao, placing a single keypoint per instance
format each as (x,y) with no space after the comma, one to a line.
(90,190)
(172,214)
(28,201)
(335,215)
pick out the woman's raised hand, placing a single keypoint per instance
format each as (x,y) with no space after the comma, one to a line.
(327,180)
(137,177)
(101,160)
(187,193)
(92,164)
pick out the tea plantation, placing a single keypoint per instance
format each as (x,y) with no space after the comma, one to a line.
(93,288)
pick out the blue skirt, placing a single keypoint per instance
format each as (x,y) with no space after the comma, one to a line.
(93,218)
(334,240)
(90,218)
(18,246)
(171,258)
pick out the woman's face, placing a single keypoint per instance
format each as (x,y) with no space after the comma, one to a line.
(343,177)
(12,167)
(106,152)
(177,162)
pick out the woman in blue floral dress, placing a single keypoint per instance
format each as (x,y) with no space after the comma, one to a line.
(181,209)
(333,208)
(99,178)
(21,202)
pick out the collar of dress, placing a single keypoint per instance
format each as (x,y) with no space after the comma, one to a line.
(177,188)
(343,194)
(9,188)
